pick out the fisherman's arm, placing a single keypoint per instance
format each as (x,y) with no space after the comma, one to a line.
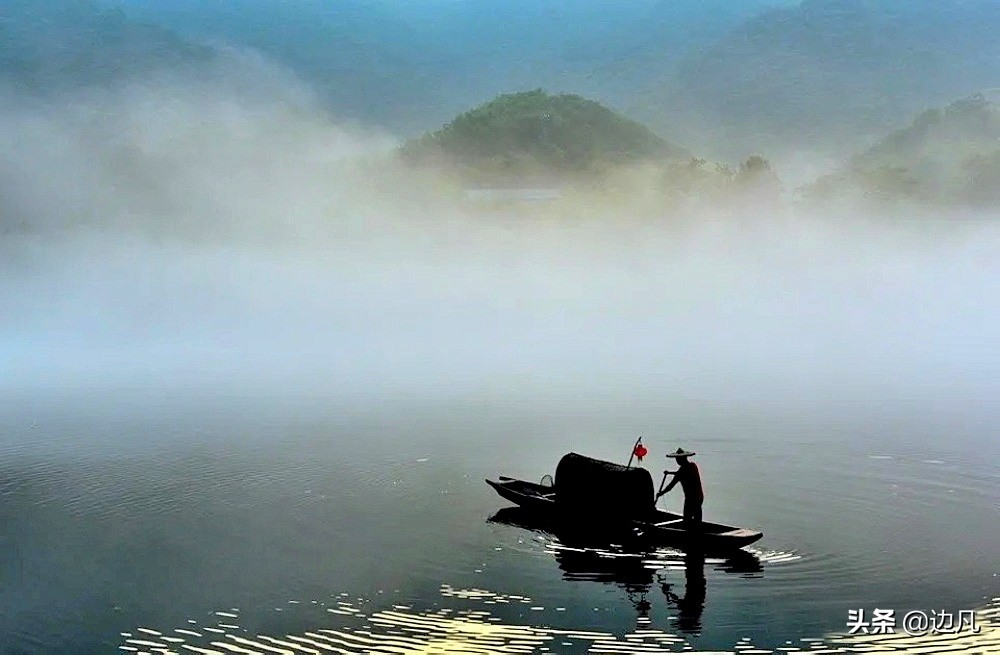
(673,483)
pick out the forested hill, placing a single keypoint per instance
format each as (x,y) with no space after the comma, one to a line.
(535,132)
(966,128)
(949,155)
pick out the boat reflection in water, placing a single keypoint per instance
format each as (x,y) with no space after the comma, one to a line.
(612,558)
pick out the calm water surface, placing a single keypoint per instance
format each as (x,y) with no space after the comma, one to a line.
(255,450)
(170,523)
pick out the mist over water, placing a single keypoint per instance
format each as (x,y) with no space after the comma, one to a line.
(217,236)
(224,269)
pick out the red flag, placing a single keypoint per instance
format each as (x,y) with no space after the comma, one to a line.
(640,451)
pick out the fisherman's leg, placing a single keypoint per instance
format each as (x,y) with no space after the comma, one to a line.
(692,514)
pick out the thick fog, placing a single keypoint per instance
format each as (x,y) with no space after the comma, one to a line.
(227,236)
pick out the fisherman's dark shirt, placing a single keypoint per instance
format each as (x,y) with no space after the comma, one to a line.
(689,478)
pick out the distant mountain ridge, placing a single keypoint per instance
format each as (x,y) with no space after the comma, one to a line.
(48,45)
(829,71)
(728,79)
(411,65)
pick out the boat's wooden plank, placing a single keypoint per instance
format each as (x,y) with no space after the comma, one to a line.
(740,532)
(670,522)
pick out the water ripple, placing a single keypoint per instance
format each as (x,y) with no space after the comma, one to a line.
(399,630)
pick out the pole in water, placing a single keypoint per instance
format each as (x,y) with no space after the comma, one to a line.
(656,498)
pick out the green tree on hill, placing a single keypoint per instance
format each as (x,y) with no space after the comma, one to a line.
(536,133)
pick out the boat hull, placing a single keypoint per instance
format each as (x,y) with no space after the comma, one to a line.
(657,527)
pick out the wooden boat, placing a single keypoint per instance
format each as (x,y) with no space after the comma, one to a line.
(639,519)
(618,556)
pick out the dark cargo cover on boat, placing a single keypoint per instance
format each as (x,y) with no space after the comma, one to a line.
(602,487)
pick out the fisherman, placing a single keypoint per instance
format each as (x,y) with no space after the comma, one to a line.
(689,477)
